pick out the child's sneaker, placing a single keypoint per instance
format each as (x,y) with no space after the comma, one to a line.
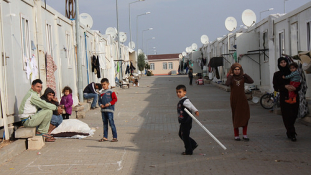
(294,100)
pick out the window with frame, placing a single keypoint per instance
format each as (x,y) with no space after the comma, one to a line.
(265,40)
(294,38)
(82,52)
(152,66)
(281,43)
(68,51)
(49,39)
(25,36)
(309,35)
(170,65)
(164,65)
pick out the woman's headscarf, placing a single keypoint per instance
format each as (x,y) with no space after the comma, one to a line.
(237,77)
(285,70)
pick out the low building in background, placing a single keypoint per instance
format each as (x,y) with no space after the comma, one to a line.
(165,64)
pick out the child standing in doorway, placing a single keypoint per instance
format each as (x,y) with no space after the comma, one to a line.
(185,120)
(294,81)
(106,102)
(67,102)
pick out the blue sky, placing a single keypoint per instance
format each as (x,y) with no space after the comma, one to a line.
(176,23)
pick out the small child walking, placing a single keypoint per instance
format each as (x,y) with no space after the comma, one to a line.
(294,81)
(67,102)
(106,102)
(190,75)
(185,120)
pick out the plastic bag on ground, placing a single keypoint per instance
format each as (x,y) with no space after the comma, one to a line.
(74,125)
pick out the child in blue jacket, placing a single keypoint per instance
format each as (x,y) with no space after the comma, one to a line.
(106,102)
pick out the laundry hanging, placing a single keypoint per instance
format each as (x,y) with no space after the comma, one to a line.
(50,69)
(98,67)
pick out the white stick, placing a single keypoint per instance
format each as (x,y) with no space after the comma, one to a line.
(209,133)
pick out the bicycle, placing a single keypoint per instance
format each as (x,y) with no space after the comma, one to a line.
(269,100)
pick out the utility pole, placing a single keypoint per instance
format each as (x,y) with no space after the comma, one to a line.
(118,40)
(79,61)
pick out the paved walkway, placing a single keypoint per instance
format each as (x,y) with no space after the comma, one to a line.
(147,126)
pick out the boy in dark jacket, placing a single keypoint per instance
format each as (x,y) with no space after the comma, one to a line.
(190,74)
(185,120)
(106,102)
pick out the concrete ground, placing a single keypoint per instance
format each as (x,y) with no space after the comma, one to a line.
(147,126)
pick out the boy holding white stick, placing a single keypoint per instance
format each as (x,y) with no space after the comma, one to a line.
(185,120)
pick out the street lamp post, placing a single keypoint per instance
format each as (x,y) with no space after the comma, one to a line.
(265,11)
(118,40)
(130,17)
(147,43)
(284,5)
(142,46)
(137,26)
(79,59)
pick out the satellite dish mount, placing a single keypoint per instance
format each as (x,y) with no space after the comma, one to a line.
(248,18)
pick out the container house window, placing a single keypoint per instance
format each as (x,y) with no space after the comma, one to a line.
(151,66)
(170,65)
(25,40)
(49,39)
(164,65)
(281,43)
(265,40)
(82,52)
(294,38)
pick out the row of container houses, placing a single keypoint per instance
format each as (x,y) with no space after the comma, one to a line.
(259,46)
(31,30)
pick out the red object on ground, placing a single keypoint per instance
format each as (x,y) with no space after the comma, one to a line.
(200,82)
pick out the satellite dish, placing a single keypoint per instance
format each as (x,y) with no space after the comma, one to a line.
(86,20)
(132,45)
(231,23)
(122,37)
(194,46)
(180,56)
(184,53)
(188,49)
(204,39)
(140,51)
(111,31)
(248,17)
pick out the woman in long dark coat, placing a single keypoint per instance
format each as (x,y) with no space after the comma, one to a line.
(289,111)
(238,100)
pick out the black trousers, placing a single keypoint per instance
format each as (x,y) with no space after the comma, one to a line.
(184,134)
(190,80)
(66,116)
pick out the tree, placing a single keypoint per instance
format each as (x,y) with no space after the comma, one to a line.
(147,66)
(141,62)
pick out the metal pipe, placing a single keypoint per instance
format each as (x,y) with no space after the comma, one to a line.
(79,61)
(86,59)
(207,131)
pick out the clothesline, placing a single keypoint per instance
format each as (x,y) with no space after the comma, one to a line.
(101,53)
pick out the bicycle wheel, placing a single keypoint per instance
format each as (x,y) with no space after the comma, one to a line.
(266,101)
